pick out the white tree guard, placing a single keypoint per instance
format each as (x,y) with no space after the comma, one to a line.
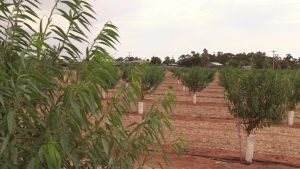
(140,108)
(194,98)
(291,115)
(103,93)
(250,148)
(238,126)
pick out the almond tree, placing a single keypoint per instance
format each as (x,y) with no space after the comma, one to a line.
(51,111)
(293,87)
(257,99)
(129,72)
(178,73)
(196,79)
(149,79)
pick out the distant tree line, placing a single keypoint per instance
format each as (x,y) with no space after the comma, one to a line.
(154,60)
(127,59)
(258,60)
(255,59)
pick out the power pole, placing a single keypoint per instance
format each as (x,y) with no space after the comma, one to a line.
(273,59)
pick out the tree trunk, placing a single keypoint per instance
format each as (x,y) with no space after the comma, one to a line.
(126,85)
(291,118)
(250,148)
(238,126)
(194,98)
(140,108)
(103,93)
(178,82)
(183,88)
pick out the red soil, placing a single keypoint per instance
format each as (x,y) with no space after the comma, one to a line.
(211,135)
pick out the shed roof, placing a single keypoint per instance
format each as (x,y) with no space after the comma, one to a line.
(216,63)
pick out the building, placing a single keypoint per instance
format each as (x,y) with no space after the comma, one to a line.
(215,64)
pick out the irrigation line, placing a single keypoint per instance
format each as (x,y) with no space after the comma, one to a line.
(237,160)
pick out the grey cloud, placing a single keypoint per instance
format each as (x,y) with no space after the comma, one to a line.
(168,27)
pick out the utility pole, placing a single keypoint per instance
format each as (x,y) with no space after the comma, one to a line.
(273,59)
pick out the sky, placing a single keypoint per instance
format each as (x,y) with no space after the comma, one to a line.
(173,27)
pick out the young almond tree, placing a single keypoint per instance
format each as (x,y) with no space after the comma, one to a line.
(52,114)
(149,78)
(293,87)
(177,72)
(197,79)
(115,79)
(129,72)
(258,99)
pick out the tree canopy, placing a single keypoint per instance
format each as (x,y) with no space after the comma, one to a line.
(155,60)
(256,59)
(52,114)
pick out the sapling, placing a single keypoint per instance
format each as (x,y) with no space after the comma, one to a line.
(149,78)
(108,71)
(293,89)
(132,74)
(51,112)
(197,79)
(128,73)
(178,74)
(228,78)
(258,99)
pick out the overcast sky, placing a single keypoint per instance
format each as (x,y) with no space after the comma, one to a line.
(174,27)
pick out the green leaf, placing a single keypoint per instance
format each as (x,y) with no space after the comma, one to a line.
(11,122)
(4,144)
(32,163)
(2,101)
(106,146)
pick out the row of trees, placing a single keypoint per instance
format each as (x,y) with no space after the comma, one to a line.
(260,98)
(52,112)
(148,78)
(194,78)
(128,59)
(257,60)
(154,60)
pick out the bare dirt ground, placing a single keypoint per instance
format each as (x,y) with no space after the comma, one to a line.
(211,134)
